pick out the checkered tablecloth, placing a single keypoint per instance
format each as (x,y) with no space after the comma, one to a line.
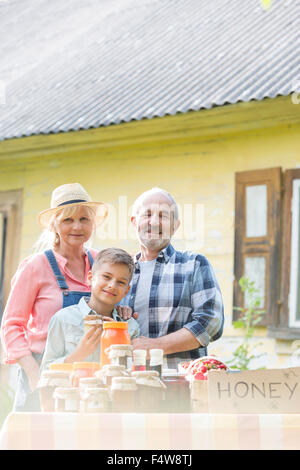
(150,431)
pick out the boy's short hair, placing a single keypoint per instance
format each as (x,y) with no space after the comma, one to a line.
(113,256)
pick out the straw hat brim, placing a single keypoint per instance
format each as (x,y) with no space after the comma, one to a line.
(100,208)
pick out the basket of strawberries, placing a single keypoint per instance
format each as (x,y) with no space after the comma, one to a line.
(198,369)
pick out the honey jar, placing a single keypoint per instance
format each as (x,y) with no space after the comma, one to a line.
(150,391)
(114,332)
(90,321)
(49,380)
(83,370)
(67,399)
(94,400)
(109,371)
(123,394)
(120,354)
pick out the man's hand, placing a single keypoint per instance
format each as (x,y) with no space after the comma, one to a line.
(142,342)
(181,340)
(126,312)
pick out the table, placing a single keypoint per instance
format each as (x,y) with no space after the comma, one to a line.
(109,431)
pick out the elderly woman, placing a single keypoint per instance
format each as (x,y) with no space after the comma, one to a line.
(48,281)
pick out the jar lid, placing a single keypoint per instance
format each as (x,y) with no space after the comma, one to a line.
(100,392)
(123,383)
(93,322)
(156,357)
(121,325)
(149,378)
(140,353)
(86,365)
(66,392)
(121,346)
(145,373)
(111,370)
(61,366)
(52,378)
(88,380)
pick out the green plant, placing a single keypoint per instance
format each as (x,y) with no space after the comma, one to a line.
(6,402)
(249,317)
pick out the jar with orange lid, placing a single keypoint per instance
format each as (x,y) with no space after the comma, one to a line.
(83,370)
(114,332)
(61,366)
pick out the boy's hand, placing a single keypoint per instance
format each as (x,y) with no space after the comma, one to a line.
(87,345)
(126,312)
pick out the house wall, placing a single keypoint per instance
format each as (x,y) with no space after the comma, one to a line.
(197,167)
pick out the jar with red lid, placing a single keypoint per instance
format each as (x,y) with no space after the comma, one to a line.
(178,396)
(114,332)
(83,370)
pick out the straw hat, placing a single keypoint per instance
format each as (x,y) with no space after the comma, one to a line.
(70,195)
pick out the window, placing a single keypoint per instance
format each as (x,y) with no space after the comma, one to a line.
(267,245)
(257,237)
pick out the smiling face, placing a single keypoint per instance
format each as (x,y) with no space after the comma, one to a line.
(74,226)
(155,222)
(110,283)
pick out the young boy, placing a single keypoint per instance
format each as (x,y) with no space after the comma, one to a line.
(110,278)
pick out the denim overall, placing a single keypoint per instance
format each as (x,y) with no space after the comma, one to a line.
(25,399)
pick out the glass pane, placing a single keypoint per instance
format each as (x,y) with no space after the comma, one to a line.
(255,270)
(298,273)
(256,211)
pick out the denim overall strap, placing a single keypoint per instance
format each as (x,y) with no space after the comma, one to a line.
(56,271)
(90,258)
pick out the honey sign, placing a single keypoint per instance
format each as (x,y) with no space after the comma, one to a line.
(254,391)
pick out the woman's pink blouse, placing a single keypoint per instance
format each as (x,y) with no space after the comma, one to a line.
(34,297)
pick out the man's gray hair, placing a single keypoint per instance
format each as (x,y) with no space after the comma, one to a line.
(139,201)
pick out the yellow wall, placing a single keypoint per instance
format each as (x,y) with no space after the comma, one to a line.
(193,156)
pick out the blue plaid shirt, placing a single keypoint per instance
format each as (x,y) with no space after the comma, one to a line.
(184,293)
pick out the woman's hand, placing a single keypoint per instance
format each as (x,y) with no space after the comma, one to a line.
(32,370)
(126,312)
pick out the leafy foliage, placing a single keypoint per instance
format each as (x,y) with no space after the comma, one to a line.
(249,317)
(6,402)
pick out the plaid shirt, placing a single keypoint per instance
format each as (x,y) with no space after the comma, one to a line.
(184,293)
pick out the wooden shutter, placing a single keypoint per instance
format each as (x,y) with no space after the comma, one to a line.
(264,248)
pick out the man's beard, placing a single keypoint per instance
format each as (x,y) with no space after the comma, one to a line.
(156,242)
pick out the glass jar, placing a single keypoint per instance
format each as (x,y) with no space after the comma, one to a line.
(89,382)
(83,370)
(109,371)
(139,360)
(67,399)
(120,354)
(123,394)
(178,399)
(49,380)
(90,321)
(150,391)
(94,400)
(114,332)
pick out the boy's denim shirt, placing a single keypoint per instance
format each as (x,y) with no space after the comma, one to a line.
(66,329)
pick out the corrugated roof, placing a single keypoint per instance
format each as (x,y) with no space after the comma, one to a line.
(75,65)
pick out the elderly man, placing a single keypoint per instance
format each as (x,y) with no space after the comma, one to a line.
(175,293)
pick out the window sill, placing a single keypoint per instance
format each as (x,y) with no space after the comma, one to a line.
(283,332)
